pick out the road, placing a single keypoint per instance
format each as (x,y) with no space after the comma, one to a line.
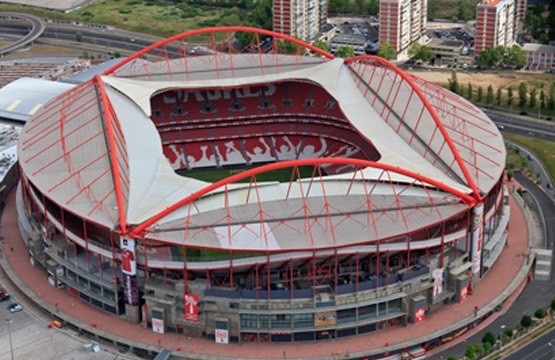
(523,125)
(93,39)
(546,183)
(37,28)
(543,348)
(536,294)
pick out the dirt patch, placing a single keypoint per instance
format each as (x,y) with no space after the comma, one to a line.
(496,79)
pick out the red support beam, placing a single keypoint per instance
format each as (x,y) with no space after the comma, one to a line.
(383,62)
(141,228)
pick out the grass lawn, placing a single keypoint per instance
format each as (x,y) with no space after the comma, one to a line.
(544,151)
(138,15)
(213,175)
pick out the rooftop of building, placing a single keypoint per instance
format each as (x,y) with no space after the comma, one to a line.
(539,48)
(437,42)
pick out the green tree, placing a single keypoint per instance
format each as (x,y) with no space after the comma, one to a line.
(469,91)
(489,338)
(552,305)
(540,313)
(421,52)
(470,352)
(245,38)
(337,6)
(261,15)
(532,101)
(454,82)
(515,56)
(551,99)
(526,321)
(451,357)
(286,47)
(464,12)
(78,36)
(542,100)
(386,51)
(321,44)
(534,22)
(522,94)
(491,56)
(474,350)
(489,96)
(480,94)
(373,7)
(345,51)
(510,96)
(498,97)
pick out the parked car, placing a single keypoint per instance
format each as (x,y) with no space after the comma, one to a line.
(4,297)
(14,307)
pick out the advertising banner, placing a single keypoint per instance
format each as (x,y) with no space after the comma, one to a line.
(190,306)
(477,237)
(437,276)
(222,336)
(128,261)
(419,314)
(130,292)
(326,318)
(463,294)
(158,325)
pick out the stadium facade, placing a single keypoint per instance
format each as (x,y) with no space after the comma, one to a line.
(244,194)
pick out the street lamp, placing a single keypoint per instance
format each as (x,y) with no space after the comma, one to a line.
(8,323)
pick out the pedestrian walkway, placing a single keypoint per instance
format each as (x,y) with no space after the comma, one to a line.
(503,278)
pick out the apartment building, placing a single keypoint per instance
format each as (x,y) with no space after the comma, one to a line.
(302,19)
(496,23)
(402,22)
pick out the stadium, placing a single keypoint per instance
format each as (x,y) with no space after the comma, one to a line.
(264,193)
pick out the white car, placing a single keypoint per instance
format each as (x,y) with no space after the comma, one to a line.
(14,307)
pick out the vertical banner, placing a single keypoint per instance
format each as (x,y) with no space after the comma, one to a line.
(437,276)
(129,270)
(477,237)
(190,307)
(130,291)
(128,262)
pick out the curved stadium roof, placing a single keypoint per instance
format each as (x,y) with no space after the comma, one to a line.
(95,151)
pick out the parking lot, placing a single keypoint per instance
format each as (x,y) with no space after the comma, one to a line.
(31,338)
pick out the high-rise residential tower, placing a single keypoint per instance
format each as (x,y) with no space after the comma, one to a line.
(496,23)
(302,19)
(402,22)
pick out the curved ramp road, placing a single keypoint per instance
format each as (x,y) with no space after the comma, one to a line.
(37,29)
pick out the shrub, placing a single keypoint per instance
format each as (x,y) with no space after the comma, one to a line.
(508,332)
(470,352)
(487,347)
(451,357)
(488,338)
(526,321)
(540,313)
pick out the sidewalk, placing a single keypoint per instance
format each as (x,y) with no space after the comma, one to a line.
(503,279)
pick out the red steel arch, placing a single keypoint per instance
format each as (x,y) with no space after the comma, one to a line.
(359,163)
(381,61)
(213,30)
